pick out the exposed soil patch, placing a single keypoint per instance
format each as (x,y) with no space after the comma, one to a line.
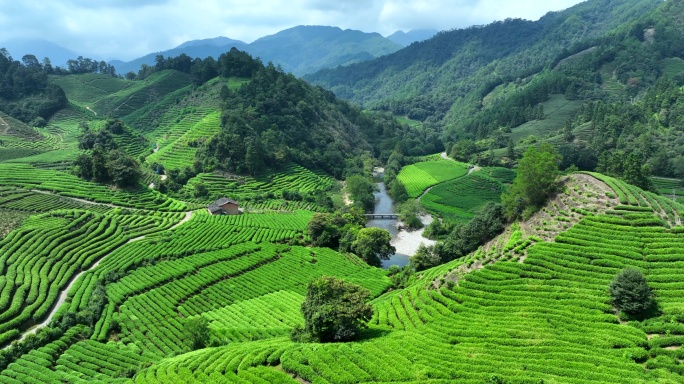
(649,35)
(559,214)
(577,190)
(474,169)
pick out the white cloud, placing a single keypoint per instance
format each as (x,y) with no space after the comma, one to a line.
(130,28)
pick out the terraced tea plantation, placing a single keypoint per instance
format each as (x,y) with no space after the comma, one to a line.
(99,284)
(458,200)
(420,176)
(31,178)
(292,177)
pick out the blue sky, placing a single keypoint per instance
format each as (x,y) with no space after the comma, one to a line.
(127,29)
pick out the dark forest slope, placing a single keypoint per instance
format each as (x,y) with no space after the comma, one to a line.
(425,79)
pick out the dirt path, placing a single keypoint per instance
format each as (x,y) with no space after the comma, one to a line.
(84,201)
(156,148)
(425,192)
(63,295)
(474,169)
(88,108)
(188,216)
(444,156)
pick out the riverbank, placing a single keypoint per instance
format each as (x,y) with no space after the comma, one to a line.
(407,242)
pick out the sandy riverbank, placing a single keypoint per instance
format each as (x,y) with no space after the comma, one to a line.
(407,243)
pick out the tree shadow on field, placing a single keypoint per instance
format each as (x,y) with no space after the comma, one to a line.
(653,311)
(373,333)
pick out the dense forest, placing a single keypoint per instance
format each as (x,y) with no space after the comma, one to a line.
(276,118)
(455,68)
(24,90)
(488,80)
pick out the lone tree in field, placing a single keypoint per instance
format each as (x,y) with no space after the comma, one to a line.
(334,310)
(197,330)
(630,291)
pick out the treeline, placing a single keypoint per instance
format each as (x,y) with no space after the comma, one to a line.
(25,93)
(234,63)
(276,118)
(102,161)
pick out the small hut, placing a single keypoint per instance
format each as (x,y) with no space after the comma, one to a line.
(224,206)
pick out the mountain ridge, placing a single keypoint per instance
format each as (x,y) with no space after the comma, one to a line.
(301,49)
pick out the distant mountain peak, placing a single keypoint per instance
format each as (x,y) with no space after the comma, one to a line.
(214,42)
(301,49)
(407,38)
(40,48)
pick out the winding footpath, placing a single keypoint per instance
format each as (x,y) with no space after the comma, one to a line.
(63,294)
(84,201)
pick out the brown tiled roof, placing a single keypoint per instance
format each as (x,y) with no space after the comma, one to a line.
(224,200)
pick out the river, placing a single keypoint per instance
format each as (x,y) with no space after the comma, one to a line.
(405,242)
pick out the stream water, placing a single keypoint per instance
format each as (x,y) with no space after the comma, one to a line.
(383,204)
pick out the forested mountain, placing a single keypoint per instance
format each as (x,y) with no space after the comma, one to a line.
(600,81)
(276,118)
(454,67)
(220,41)
(300,50)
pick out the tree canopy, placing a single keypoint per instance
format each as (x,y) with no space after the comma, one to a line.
(535,181)
(373,245)
(334,310)
(630,292)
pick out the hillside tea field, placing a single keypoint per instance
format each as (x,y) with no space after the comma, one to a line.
(130,268)
(420,176)
(101,283)
(458,200)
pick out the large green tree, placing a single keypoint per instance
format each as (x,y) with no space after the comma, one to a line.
(334,310)
(535,181)
(373,245)
(361,189)
(197,330)
(630,292)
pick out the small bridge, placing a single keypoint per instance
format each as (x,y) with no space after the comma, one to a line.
(381,216)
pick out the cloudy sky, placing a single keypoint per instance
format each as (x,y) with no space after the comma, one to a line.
(128,29)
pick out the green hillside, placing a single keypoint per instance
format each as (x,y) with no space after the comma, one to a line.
(450,73)
(518,309)
(114,269)
(420,176)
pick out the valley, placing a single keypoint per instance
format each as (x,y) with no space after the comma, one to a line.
(209,219)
